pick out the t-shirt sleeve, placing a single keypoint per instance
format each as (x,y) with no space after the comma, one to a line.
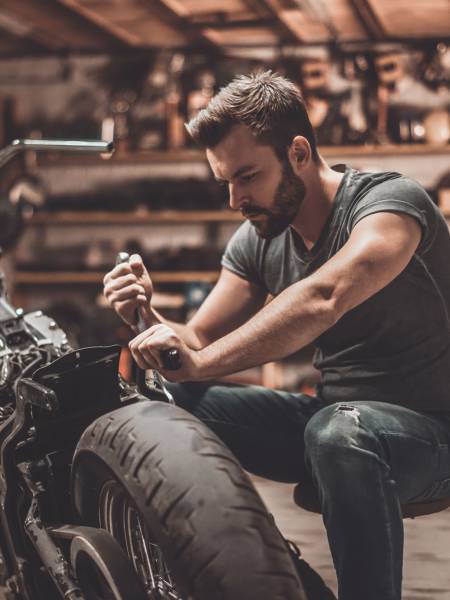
(403,195)
(241,254)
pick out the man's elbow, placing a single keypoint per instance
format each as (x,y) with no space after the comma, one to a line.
(330,304)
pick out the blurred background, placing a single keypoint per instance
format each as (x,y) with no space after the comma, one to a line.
(375,75)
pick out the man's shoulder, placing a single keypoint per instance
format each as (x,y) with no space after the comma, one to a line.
(367,187)
(385,180)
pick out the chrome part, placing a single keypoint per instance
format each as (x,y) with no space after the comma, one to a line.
(18,146)
(123,521)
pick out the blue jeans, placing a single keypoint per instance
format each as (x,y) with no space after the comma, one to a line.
(366,459)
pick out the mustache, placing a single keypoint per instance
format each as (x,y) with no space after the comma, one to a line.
(251,210)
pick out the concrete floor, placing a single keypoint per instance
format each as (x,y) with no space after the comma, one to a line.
(427,544)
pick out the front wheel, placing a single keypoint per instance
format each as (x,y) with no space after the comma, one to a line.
(180,505)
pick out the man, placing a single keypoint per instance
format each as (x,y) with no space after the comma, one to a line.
(357,263)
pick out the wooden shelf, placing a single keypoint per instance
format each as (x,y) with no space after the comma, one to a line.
(426,163)
(385,150)
(96,277)
(131,157)
(133,218)
(193,155)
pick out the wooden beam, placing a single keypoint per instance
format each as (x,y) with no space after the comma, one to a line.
(220,25)
(269,11)
(170,11)
(299,21)
(368,19)
(12,45)
(56,27)
(121,34)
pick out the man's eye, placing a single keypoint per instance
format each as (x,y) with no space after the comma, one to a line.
(247,178)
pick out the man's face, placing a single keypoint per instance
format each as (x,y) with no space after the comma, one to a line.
(268,193)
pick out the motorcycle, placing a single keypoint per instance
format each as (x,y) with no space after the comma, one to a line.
(108,491)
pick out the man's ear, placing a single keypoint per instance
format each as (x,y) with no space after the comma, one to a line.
(299,153)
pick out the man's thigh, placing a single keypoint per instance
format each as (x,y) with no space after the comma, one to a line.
(263,427)
(415,446)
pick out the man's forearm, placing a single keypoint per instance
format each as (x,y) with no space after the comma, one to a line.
(292,320)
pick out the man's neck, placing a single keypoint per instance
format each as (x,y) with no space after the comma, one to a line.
(321,186)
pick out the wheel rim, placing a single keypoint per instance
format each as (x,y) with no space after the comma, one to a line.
(123,521)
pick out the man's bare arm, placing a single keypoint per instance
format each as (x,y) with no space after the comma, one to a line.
(379,248)
(231,302)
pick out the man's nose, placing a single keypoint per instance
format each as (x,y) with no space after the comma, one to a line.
(236,198)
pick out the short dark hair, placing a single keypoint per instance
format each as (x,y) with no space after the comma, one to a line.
(270,105)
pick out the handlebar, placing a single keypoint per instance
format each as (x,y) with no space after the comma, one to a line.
(18,146)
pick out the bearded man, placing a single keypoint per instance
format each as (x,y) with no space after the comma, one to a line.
(358,265)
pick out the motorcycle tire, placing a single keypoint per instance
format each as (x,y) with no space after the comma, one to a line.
(198,505)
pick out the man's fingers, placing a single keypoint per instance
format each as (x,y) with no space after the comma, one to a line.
(141,361)
(129,293)
(159,334)
(142,336)
(151,356)
(120,269)
(145,356)
(146,347)
(120,282)
(136,264)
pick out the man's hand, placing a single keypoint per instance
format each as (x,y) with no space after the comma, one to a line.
(128,287)
(146,349)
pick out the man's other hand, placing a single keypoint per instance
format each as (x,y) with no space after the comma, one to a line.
(128,288)
(147,347)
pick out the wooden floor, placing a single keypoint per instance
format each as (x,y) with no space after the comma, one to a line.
(427,544)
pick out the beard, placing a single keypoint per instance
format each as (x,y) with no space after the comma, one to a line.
(287,200)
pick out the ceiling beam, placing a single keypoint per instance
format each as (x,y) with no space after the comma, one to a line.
(221,24)
(286,34)
(13,45)
(20,24)
(55,27)
(171,12)
(107,26)
(368,19)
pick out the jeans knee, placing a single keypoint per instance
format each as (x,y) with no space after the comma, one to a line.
(336,434)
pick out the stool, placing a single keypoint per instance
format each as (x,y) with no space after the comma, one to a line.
(306,496)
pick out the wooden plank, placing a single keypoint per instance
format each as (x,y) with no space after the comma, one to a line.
(101,21)
(143,23)
(363,11)
(267,10)
(413,18)
(69,218)
(304,28)
(14,45)
(200,7)
(58,27)
(242,36)
(347,23)
(96,277)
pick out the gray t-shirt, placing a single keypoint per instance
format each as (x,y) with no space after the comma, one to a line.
(395,346)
